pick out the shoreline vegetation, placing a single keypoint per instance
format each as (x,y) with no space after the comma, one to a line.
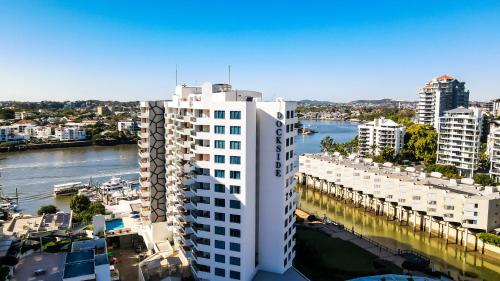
(23,146)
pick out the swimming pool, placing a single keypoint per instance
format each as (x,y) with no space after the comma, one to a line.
(115,224)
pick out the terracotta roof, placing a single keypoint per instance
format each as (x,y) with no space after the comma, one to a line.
(445,77)
(25,122)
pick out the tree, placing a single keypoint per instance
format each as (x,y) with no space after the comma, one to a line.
(95,208)
(388,154)
(47,209)
(327,144)
(7,113)
(483,179)
(449,171)
(420,144)
(79,204)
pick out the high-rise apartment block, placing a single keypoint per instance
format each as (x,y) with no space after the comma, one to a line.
(226,198)
(439,95)
(494,151)
(374,136)
(459,133)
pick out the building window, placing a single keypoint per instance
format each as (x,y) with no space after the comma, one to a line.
(219,159)
(234,261)
(235,175)
(236,247)
(234,274)
(235,130)
(219,173)
(235,145)
(235,204)
(220,230)
(219,202)
(219,244)
(235,218)
(234,189)
(235,114)
(218,257)
(234,232)
(219,216)
(219,129)
(219,114)
(219,187)
(220,272)
(219,144)
(235,160)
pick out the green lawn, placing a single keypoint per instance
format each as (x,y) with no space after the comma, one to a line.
(321,257)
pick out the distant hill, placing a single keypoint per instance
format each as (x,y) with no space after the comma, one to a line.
(315,102)
(380,101)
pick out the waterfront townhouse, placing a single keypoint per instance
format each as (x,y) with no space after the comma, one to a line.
(70,133)
(439,95)
(374,136)
(404,193)
(229,170)
(459,134)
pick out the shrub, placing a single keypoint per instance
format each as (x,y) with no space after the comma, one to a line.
(47,209)
(448,171)
(489,238)
(483,179)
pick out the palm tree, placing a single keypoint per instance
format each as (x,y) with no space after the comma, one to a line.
(327,144)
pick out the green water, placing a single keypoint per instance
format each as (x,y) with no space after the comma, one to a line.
(445,258)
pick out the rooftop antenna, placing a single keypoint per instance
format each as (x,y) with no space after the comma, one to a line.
(229,74)
(176,75)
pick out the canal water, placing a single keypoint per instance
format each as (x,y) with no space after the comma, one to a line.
(35,172)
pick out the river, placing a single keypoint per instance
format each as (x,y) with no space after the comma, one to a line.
(35,172)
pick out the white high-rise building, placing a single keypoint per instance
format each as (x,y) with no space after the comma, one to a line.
(459,133)
(439,95)
(494,151)
(374,136)
(229,169)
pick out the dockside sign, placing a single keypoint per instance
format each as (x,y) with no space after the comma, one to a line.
(279,134)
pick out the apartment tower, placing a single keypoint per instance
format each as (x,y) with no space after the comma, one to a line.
(152,167)
(439,95)
(229,181)
(374,136)
(459,133)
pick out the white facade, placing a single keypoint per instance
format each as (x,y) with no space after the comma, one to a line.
(439,95)
(378,134)
(494,152)
(468,205)
(130,126)
(459,133)
(229,172)
(70,133)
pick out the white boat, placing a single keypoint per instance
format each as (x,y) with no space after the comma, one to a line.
(114,184)
(67,188)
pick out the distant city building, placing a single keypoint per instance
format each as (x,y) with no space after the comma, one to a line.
(494,150)
(439,95)
(493,107)
(459,133)
(22,115)
(228,161)
(374,136)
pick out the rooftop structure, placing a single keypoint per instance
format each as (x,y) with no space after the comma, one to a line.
(439,95)
(88,260)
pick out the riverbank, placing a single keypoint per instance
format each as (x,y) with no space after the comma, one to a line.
(449,258)
(18,147)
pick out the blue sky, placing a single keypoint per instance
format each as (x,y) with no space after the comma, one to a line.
(329,50)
